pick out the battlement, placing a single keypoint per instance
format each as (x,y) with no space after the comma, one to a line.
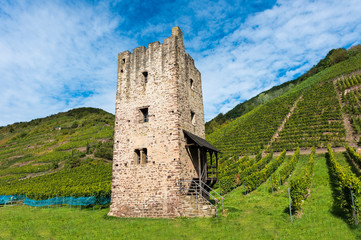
(177,35)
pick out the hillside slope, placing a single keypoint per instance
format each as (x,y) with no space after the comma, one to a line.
(72,149)
(333,57)
(316,120)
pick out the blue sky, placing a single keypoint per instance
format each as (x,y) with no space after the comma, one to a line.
(59,55)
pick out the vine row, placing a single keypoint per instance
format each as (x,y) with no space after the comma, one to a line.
(348,184)
(286,170)
(301,184)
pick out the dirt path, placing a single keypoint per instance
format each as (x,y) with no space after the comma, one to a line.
(304,152)
(280,128)
(352,89)
(350,138)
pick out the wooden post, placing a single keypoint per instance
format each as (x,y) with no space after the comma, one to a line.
(211,153)
(205,165)
(199,167)
(217,166)
(142,156)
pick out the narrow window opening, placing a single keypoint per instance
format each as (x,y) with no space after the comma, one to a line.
(123,60)
(145,75)
(141,156)
(193,118)
(191,83)
(145,117)
(137,156)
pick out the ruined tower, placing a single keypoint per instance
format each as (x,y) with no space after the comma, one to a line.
(159,131)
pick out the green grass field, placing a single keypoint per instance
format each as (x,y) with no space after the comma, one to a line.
(258,215)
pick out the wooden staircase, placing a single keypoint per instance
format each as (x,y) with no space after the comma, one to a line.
(192,190)
(201,193)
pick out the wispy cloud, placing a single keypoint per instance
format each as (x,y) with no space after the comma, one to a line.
(56,56)
(275,46)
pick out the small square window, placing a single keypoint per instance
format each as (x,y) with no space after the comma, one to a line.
(144,114)
(193,119)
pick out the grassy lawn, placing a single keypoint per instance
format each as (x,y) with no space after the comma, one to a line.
(258,215)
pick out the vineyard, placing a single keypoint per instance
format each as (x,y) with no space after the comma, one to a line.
(67,154)
(273,175)
(350,89)
(259,214)
(314,124)
(331,59)
(253,131)
(316,120)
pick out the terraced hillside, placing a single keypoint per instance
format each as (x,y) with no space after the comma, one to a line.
(349,90)
(67,154)
(307,115)
(333,57)
(316,120)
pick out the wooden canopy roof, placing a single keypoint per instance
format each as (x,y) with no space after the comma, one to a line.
(200,141)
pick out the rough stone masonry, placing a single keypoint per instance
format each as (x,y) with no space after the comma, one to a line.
(159,94)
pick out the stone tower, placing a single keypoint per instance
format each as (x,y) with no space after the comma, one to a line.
(158,121)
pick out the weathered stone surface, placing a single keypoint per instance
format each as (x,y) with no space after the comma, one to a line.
(164,79)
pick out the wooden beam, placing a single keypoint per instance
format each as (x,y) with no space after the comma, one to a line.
(205,164)
(199,168)
(217,166)
(211,153)
(190,144)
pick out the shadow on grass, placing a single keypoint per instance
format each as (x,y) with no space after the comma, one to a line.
(337,211)
(233,210)
(353,165)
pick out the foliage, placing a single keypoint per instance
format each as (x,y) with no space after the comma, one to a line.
(347,182)
(259,215)
(314,124)
(253,130)
(280,177)
(93,179)
(39,147)
(233,173)
(105,151)
(255,179)
(348,82)
(301,184)
(354,155)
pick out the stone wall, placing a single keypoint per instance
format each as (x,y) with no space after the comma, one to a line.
(156,78)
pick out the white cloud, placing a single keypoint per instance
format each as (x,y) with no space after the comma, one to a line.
(57,56)
(53,54)
(292,35)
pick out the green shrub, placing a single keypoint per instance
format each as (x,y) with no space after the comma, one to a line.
(301,183)
(347,182)
(105,151)
(286,170)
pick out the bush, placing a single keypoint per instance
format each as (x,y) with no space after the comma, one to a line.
(300,184)
(347,182)
(286,170)
(105,151)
